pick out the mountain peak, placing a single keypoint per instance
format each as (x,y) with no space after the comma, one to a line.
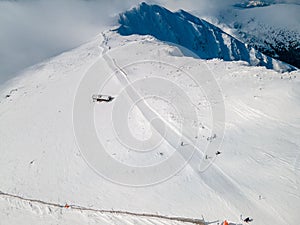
(182,28)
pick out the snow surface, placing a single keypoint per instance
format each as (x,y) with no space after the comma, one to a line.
(257,174)
(41,159)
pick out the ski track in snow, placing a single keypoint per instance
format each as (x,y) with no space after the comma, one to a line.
(231,201)
(214,170)
(39,206)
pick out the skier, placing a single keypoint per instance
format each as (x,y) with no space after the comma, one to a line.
(218,153)
(247,220)
(225,222)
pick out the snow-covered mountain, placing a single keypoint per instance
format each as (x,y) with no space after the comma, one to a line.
(160,135)
(253,3)
(204,39)
(263,3)
(274,29)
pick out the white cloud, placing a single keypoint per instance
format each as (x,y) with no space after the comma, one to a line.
(34,30)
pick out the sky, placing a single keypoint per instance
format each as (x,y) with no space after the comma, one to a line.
(34,30)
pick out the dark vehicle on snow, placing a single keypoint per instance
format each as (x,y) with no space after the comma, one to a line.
(102,98)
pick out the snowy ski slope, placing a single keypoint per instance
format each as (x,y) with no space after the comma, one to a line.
(172,111)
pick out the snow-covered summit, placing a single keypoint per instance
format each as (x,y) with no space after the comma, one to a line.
(204,39)
(254,3)
(263,3)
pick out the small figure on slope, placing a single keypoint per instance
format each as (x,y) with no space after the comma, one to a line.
(225,222)
(218,153)
(247,220)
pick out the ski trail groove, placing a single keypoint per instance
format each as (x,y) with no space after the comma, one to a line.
(104,211)
(215,170)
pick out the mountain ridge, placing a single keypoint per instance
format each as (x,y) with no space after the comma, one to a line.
(201,37)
